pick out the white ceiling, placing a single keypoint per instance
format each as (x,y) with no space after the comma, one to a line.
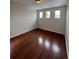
(44,4)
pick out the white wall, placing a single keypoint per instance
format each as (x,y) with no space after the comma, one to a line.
(22,19)
(52,24)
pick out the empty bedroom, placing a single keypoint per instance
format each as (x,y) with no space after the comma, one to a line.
(39,29)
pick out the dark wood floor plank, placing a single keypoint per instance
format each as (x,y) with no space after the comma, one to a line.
(38,44)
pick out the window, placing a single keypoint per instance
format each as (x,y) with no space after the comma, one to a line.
(48,14)
(41,15)
(57,14)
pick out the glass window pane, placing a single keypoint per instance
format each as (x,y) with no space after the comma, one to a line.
(41,15)
(48,14)
(57,14)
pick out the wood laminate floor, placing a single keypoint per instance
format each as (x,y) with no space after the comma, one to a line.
(38,44)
